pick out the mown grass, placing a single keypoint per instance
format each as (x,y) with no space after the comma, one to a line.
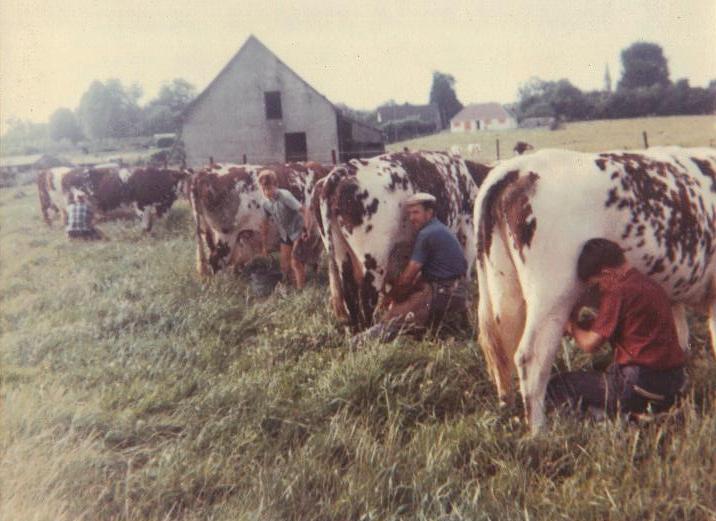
(131,390)
(584,136)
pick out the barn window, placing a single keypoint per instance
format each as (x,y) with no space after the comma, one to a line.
(273,105)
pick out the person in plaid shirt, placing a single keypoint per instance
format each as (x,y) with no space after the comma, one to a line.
(80,220)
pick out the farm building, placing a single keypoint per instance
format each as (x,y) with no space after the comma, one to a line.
(258,110)
(483,116)
(428,114)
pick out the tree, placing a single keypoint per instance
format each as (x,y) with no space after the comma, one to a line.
(163,113)
(644,65)
(442,94)
(559,99)
(24,137)
(110,110)
(64,125)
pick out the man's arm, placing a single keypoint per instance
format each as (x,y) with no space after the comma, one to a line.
(405,282)
(588,341)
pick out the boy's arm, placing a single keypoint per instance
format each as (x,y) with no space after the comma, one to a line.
(587,340)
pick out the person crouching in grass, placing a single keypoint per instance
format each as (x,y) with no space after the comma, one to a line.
(80,220)
(281,206)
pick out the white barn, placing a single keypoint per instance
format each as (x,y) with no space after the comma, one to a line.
(482,116)
(258,110)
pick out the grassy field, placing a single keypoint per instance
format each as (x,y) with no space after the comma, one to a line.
(587,136)
(133,391)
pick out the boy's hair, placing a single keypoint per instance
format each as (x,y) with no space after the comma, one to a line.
(267,177)
(597,254)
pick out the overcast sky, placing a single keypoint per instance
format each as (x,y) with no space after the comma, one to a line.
(361,53)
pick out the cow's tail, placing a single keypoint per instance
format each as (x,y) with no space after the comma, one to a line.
(45,201)
(501,305)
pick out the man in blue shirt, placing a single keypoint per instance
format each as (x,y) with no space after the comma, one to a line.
(432,286)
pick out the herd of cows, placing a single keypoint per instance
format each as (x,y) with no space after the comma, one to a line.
(522,223)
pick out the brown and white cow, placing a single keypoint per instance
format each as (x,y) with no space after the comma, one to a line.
(364,223)
(55,187)
(148,191)
(532,217)
(227,205)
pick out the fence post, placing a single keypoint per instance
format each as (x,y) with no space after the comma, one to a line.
(497,142)
(211,160)
(244,158)
(646,141)
(333,156)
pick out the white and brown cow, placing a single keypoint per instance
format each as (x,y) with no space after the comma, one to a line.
(534,214)
(55,187)
(364,224)
(227,205)
(149,192)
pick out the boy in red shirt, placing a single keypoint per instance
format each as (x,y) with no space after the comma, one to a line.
(635,316)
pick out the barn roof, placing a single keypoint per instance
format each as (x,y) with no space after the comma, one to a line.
(252,40)
(482,111)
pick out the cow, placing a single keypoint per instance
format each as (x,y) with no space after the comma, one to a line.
(474,149)
(363,222)
(533,215)
(148,191)
(227,206)
(521,147)
(55,187)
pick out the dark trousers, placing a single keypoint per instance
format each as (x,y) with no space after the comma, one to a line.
(448,305)
(85,235)
(626,389)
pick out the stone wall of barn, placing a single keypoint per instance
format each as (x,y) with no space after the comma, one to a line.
(229,119)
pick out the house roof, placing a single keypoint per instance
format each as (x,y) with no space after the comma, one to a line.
(252,40)
(482,111)
(406,110)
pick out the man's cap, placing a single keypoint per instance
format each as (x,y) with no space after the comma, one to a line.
(419,198)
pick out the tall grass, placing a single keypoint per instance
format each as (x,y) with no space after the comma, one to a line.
(133,391)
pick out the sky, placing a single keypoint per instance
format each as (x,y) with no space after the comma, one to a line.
(361,53)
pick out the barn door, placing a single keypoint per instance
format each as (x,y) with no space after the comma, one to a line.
(296,149)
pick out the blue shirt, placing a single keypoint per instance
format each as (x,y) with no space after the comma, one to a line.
(438,251)
(285,210)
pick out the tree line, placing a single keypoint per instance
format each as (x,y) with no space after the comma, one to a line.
(111,109)
(644,89)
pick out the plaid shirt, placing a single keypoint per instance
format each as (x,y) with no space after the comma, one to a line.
(79,216)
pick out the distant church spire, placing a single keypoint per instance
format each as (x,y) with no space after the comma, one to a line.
(607,80)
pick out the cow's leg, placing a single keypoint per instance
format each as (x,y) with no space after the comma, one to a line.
(147,218)
(349,277)
(544,327)
(334,282)
(682,326)
(712,315)
(501,316)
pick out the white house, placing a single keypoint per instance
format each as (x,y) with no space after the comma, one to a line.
(482,116)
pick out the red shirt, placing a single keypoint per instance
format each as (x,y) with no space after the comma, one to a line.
(635,315)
